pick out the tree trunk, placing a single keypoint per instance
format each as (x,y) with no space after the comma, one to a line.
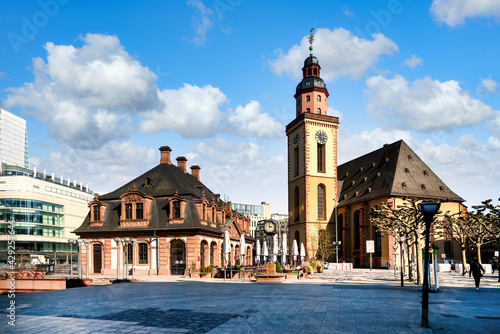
(478,246)
(464,261)
(409,263)
(420,271)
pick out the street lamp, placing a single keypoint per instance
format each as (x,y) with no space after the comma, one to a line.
(428,209)
(401,240)
(117,240)
(337,242)
(71,241)
(395,247)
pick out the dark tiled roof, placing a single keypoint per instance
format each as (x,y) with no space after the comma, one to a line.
(393,170)
(164,180)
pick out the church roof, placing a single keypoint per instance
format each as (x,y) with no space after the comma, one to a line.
(393,170)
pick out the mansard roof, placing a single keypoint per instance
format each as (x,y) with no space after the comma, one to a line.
(393,170)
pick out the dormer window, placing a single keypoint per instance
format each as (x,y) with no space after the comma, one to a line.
(147,182)
(139,211)
(176,209)
(96,211)
(128,211)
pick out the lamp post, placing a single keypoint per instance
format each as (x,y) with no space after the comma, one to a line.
(401,240)
(86,242)
(337,242)
(71,241)
(79,243)
(117,240)
(395,247)
(133,241)
(428,209)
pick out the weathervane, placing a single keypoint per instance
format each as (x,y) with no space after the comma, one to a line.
(311,40)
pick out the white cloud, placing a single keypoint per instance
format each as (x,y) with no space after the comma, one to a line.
(339,52)
(250,121)
(347,12)
(425,104)
(351,146)
(490,85)
(87,95)
(413,61)
(190,110)
(203,21)
(454,12)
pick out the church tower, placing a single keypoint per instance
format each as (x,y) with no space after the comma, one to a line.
(312,160)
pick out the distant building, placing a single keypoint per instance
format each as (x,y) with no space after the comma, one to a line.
(13,140)
(175,220)
(255,212)
(44,210)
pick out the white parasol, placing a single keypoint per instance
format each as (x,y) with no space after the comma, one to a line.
(264,251)
(257,252)
(242,249)
(295,250)
(227,246)
(285,250)
(302,252)
(275,248)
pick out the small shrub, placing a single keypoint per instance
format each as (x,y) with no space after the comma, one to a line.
(237,267)
(193,266)
(209,269)
(278,267)
(309,270)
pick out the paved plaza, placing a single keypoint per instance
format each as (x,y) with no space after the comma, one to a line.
(357,301)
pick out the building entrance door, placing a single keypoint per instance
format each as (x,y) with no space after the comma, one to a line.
(177,257)
(97,258)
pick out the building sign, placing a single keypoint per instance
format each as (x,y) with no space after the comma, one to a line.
(370,246)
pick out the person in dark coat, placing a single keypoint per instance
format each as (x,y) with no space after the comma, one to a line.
(477,271)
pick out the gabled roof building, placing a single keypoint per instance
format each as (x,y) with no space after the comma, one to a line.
(174,220)
(389,174)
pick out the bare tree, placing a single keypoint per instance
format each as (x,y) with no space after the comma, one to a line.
(320,244)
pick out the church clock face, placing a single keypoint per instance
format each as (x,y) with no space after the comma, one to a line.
(296,140)
(321,137)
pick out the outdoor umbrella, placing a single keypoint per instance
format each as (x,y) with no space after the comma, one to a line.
(302,252)
(295,250)
(285,250)
(242,249)
(264,251)
(275,248)
(257,251)
(227,246)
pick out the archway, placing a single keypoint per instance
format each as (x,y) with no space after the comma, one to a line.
(177,257)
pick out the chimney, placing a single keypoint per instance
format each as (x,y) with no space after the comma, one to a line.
(165,154)
(195,171)
(181,163)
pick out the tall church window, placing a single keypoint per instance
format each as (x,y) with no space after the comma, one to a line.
(295,161)
(321,158)
(296,204)
(321,201)
(318,98)
(308,98)
(357,241)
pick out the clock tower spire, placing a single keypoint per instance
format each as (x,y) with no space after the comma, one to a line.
(312,160)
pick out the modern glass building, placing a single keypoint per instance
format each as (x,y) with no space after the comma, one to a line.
(13,139)
(256,212)
(44,210)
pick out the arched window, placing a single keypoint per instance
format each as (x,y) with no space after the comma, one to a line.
(308,110)
(143,253)
(296,205)
(321,201)
(309,72)
(315,71)
(319,111)
(318,98)
(308,98)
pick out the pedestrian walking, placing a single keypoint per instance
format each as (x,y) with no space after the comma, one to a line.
(477,271)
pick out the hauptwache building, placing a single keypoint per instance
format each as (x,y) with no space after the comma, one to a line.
(316,184)
(175,220)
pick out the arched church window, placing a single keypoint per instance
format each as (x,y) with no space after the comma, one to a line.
(321,201)
(296,204)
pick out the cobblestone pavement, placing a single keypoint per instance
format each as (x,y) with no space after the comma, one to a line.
(357,301)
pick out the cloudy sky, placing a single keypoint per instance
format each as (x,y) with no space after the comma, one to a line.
(103,86)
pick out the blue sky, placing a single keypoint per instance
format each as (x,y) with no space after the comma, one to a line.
(104,84)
